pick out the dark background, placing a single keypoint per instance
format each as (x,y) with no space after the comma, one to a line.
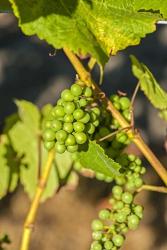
(28,72)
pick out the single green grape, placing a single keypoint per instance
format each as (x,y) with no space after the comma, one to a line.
(68,118)
(97,225)
(61,135)
(104,214)
(108,245)
(78,126)
(76,89)
(121,137)
(138,210)
(117,105)
(120,180)
(114,98)
(78,114)
(81,137)
(131,157)
(68,127)
(133,221)
(117,190)
(69,107)
(93,116)
(47,124)
(90,128)
(83,102)
(70,141)
(88,92)
(138,161)
(60,102)
(124,102)
(46,109)
(100,176)
(127,197)
(56,125)
(72,149)
(120,217)
(58,111)
(138,182)
(67,96)
(48,134)
(108,179)
(96,110)
(118,205)
(126,210)
(96,123)
(96,246)
(127,114)
(97,235)
(118,240)
(85,119)
(60,148)
(49,144)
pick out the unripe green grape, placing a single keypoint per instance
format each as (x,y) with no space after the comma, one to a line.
(121,137)
(60,102)
(85,119)
(108,245)
(83,102)
(68,118)
(47,124)
(46,110)
(100,176)
(138,182)
(69,107)
(78,114)
(127,114)
(108,179)
(58,111)
(76,89)
(96,110)
(90,128)
(97,235)
(120,217)
(56,125)
(114,98)
(68,127)
(72,149)
(127,197)
(120,180)
(143,170)
(117,190)
(60,148)
(115,123)
(124,102)
(96,246)
(138,210)
(126,210)
(48,134)
(104,214)
(118,240)
(118,205)
(78,126)
(97,225)
(133,222)
(138,161)
(61,135)
(131,157)
(103,131)
(137,169)
(88,92)
(70,141)
(96,123)
(124,230)
(67,96)
(81,137)
(130,185)
(49,144)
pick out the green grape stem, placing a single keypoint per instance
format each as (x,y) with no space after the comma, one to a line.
(85,76)
(153,188)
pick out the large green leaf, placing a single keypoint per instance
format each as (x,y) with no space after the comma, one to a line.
(9,167)
(5,6)
(96,159)
(153,91)
(99,28)
(152,5)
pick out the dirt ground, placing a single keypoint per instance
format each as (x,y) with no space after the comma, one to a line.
(63,222)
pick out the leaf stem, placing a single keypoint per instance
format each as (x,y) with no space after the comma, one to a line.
(134,135)
(153,188)
(29,222)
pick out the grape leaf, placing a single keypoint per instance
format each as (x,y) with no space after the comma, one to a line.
(96,159)
(9,167)
(5,6)
(149,85)
(100,28)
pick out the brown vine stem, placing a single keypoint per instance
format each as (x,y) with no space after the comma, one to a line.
(134,135)
(153,188)
(29,222)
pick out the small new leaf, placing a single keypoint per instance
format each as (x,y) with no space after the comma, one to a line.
(96,159)
(149,85)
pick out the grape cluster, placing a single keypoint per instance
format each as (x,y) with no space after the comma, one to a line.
(72,121)
(110,228)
